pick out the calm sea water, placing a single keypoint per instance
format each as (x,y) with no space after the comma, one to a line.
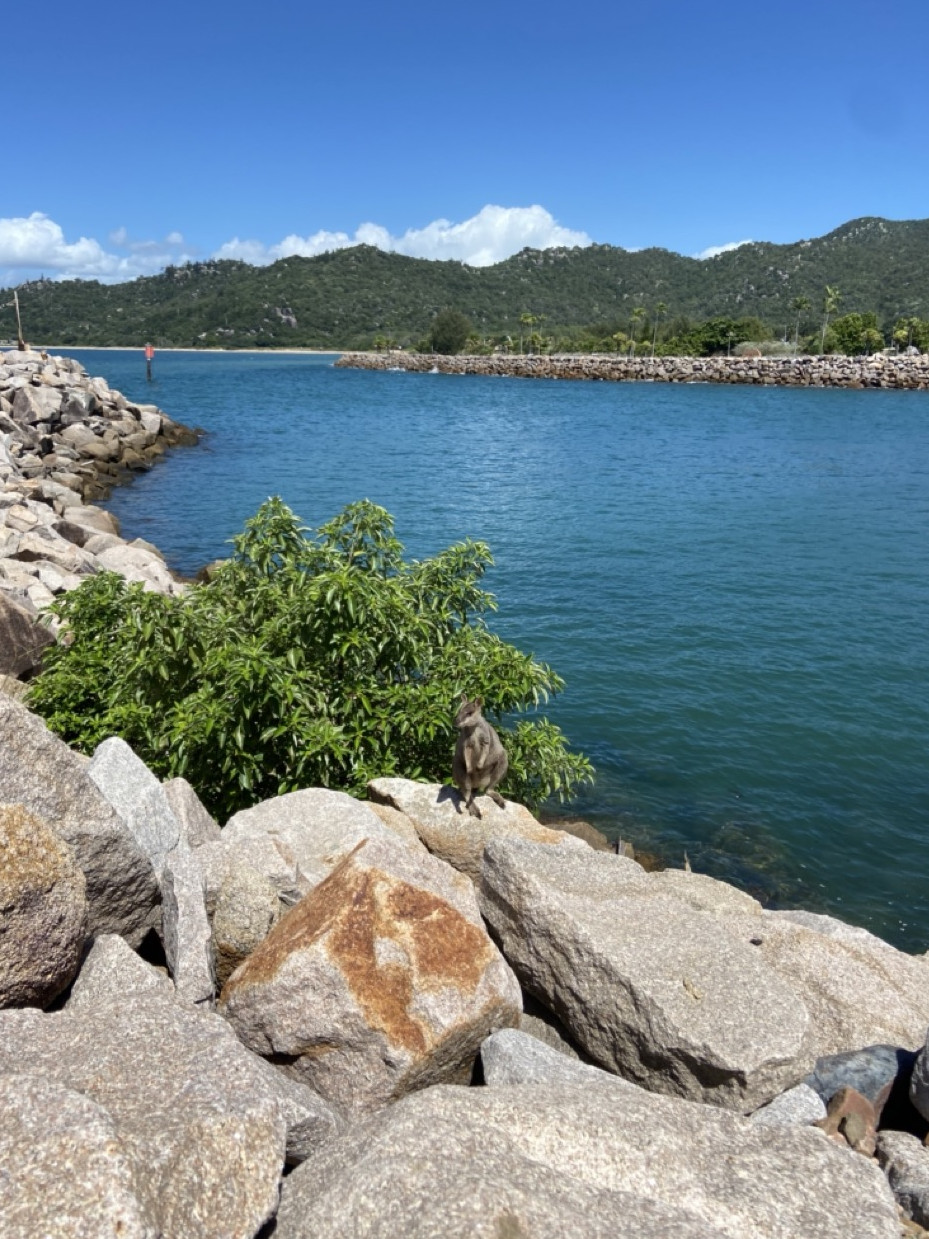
(733,581)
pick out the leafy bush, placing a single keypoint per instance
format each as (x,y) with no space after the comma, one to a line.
(307,660)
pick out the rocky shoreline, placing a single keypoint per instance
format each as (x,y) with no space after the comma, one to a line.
(907,373)
(331,1017)
(65,440)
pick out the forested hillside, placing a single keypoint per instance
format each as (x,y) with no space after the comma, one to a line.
(351,298)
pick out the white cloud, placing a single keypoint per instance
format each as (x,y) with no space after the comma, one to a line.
(488,237)
(722,249)
(35,245)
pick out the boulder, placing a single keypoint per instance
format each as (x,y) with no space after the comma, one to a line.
(65,1172)
(196,825)
(798,1107)
(919,1083)
(43,910)
(455,836)
(23,637)
(878,1072)
(186,929)
(138,797)
(36,404)
(247,907)
(203,1123)
(40,772)
(905,1161)
(858,990)
(594,1156)
(651,986)
(850,1117)
(112,973)
(398,822)
(296,840)
(380,981)
(136,564)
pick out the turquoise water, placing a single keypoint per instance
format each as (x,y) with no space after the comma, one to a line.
(733,581)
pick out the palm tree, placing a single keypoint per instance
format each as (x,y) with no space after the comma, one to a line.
(831,300)
(660,311)
(637,315)
(799,304)
(528,320)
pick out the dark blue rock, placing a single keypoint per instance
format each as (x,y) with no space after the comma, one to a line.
(879,1072)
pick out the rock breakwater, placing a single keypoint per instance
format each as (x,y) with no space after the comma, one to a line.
(674,1073)
(66,439)
(909,373)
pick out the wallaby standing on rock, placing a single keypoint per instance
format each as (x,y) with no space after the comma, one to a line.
(480,760)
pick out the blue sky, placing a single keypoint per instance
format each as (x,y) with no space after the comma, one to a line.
(138,135)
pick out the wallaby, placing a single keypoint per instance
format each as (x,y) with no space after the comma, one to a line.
(480,760)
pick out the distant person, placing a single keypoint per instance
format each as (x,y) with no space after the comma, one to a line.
(149,354)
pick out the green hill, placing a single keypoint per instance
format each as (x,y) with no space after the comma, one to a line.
(347,298)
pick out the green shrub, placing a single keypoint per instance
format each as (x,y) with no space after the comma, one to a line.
(318,660)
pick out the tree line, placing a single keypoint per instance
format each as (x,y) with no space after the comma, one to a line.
(648,332)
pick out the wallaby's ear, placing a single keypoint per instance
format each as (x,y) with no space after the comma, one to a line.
(464,698)
(479,702)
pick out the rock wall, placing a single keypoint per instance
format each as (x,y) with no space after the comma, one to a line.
(911,373)
(65,440)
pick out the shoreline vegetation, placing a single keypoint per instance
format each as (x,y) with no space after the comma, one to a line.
(876,371)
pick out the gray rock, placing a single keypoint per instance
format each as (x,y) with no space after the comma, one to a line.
(798,1107)
(919,1083)
(858,990)
(43,910)
(203,1124)
(648,985)
(197,827)
(113,973)
(905,1161)
(36,404)
(138,797)
(247,907)
(40,772)
(380,981)
(454,836)
(64,1172)
(512,1056)
(550,1160)
(23,637)
(297,840)
(136,564)
(873,1072)
(186,929)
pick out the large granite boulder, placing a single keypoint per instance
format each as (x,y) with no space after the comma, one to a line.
(186,930)
(246,909)
(40,772)
(650,986)
(43,911)
(203,1123)
(138,797)
(454,836)
(297,839)
(196,824)
(64,1171)
(380,981)
(590,1157)
(905,1161)
(113,974)
(23,637)
(858,989)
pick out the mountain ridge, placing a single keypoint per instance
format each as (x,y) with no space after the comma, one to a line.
(346,298)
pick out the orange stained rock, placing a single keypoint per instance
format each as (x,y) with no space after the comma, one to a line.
(348,914)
